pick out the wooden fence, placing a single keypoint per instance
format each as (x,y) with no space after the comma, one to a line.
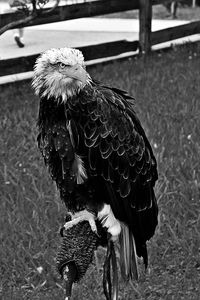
(147,38)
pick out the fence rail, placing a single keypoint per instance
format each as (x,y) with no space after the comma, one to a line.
(175,32)
(104,50)
(94,8)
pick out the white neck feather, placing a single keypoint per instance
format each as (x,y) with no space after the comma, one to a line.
(54,85)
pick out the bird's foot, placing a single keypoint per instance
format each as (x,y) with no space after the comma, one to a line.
(80,216)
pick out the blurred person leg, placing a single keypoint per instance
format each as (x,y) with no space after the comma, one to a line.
(18,37)
(174,6)
(19,32)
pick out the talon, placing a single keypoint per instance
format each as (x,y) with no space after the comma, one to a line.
(92,225)
(62,231)
(96,232)
(68,217)
(80,216)
(70,224)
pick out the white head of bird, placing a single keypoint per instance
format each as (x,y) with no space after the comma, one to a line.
(60,73)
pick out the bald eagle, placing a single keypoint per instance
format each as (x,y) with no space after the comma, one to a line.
(97,153)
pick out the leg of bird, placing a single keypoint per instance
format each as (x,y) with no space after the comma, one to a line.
(81,216)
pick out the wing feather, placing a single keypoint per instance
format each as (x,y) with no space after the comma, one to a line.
(117,142)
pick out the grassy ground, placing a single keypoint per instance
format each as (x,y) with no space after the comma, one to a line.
(167,90)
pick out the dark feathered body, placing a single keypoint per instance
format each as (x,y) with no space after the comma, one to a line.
(100,126)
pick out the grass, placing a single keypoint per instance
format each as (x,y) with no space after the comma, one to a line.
(167,90)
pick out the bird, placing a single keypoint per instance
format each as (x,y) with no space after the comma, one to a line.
(98,153)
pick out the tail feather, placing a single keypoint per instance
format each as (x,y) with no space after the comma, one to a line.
(128,258)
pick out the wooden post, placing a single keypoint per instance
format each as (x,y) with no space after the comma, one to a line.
(145,17)
(193,3)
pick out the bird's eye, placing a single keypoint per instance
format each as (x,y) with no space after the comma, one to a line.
(62,66)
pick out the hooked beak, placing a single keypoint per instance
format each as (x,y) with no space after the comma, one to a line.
(76,72)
